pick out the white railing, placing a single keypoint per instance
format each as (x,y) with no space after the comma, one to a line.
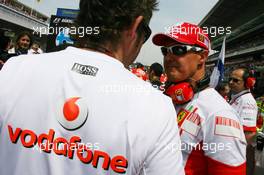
(14,16)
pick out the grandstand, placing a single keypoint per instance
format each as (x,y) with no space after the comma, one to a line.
(245,44)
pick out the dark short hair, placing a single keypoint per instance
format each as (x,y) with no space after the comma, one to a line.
(139,65)
(112,17)
(221,86)
(157,69)
(22,34)
(246,72)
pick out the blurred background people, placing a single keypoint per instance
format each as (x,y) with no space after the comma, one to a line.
(35,49)
(4,46)
(139,71)
(155,72)
(224,90)
(23,43)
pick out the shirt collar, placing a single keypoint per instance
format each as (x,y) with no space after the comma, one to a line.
(240,94)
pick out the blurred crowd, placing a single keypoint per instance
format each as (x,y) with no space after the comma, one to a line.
(22,44)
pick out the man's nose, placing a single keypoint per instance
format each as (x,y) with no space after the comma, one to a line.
(170,57)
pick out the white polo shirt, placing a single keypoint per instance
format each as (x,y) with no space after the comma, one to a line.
(246,106)
(81,112)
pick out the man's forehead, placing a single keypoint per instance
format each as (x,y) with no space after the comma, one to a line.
(238,73)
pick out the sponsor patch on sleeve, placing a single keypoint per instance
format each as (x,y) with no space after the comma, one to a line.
(192,124)
(182,115)
(227,127)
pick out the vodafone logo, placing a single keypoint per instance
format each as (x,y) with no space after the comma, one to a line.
(68,147)
(73,113)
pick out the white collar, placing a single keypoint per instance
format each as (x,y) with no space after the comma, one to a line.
(235,96)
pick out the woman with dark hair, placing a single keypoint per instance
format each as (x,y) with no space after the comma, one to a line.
(23,43)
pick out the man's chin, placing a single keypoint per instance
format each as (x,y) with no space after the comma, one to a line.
(232,92)
(173,77)
(170,76)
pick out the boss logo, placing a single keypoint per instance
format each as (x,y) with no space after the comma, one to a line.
(85,69)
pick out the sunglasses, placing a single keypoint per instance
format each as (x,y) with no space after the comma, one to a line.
(235,80)
(179,50)
(147,31)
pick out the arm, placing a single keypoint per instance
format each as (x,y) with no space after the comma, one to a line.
(248,114)
(229,154)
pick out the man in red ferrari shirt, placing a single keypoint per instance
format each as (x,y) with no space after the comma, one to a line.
(213,142)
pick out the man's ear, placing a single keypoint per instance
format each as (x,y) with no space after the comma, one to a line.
(204,56)
(134,27)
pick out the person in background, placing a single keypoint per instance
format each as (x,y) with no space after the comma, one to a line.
(139,71)
(23,43)
(4,46)
(163,78)
(204,117)
(35,49)
(140,66)
(224,90)
(241,81)
(155,71)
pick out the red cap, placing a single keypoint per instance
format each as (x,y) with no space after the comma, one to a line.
(183,33)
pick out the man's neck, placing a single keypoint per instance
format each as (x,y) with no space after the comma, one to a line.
(105,50)
(198,76)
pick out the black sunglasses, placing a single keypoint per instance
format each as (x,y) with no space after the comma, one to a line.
(180,50)
(235,80)
(147,31)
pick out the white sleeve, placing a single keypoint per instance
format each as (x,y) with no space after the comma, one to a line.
(248,115)
(166,156)
(224,143)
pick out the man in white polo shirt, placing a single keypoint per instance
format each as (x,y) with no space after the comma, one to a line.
(241,81)
(77,112)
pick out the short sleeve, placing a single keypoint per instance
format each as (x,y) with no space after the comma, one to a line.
(248,114)
(225,144)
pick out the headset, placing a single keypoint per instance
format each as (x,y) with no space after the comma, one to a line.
(183,92)
(249,79)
